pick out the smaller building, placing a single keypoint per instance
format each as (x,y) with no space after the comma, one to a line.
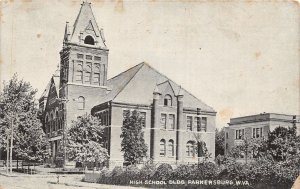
(256,126)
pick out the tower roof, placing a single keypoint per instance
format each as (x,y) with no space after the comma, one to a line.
(85,25)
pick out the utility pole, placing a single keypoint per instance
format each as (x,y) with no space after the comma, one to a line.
(11,143)
(7,151)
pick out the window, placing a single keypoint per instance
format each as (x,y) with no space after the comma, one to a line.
(257,132)
(189,123)
(203,124)
(56,121)
(96,77)
(168,100)
(198,123)
(171,148)
(97,58)
(87,73)
(162,147)
(239,134)
(163,121)
(143,118)
(226,135)
(172,121)
(80,56)
(89,40)
(81,103)
(78,74)
(190,149)
(88,57)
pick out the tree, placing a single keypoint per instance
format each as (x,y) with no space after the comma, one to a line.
(19,122)
(220,141)
(85,142)
(133,142)
(283,142)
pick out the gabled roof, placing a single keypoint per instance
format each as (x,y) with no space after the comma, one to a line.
(137,84)
(56,80)
(46,91)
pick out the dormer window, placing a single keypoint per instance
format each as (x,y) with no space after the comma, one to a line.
(168,100)
(89,40)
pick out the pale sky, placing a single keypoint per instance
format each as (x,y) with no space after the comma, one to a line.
(239,58)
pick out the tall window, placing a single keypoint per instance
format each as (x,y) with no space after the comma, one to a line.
(168,100)
(257,132)
(171,148)
(81,103)
(89,40)
(143,118)
(239,134)
(198,123)
(96,77)
(189,123)
(78,73)
(47,124)
(163,121)
(56,121)
(162,147)
(87,73)
(172,121)
(203,124)
(190,149)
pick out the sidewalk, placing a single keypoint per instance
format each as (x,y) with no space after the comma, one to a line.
(97,186)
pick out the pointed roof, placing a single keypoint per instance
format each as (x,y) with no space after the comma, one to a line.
(86,22)
(136,86)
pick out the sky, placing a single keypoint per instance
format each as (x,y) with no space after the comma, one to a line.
(241,58)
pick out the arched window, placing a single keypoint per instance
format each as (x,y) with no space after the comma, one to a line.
(78,73)
(171,148)
(96,77)
(47,124)
(87,74)
(89,40)
(56,121)
(162,147)
(51,122)
(81,103)
(190,149)
(168,100)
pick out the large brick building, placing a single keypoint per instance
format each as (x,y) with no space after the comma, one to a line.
(174,119)
(256,126)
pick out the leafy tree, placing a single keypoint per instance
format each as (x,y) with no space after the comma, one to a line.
(133,142)
(283,142)
(84,141)
(220,142)
(19,122)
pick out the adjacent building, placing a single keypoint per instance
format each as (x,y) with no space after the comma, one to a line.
(175,120)
(256,126)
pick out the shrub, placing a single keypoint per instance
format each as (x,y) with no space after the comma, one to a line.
(163,172)
(147,171)
(205,170)
(182,172)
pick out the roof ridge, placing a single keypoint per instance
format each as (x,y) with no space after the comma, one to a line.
(177,84)
(142,64)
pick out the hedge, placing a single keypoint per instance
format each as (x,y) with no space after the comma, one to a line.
(264,174)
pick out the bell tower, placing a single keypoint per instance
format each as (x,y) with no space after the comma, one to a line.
(83,64)
(84,54)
